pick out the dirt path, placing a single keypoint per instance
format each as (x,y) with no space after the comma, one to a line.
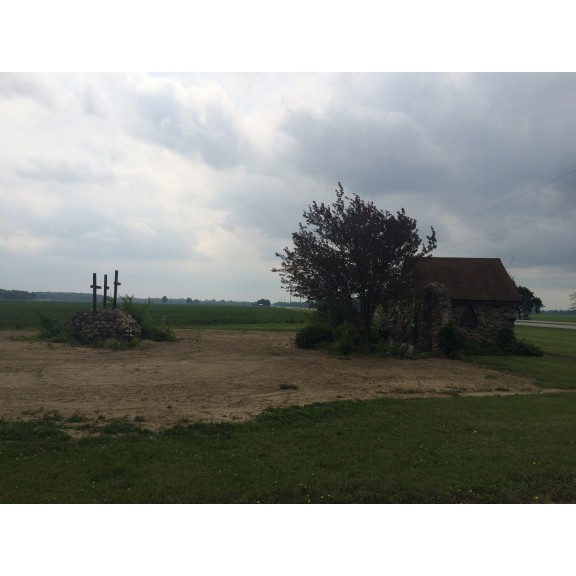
(215,376)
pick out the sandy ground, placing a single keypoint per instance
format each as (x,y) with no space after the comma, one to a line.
(215,376)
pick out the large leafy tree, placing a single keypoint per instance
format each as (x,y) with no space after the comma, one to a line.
(354,255)
(529,303)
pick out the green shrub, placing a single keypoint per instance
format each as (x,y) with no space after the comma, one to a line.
(141,313)
(328,312)
(505,344)
(53,329)
(314,335)
(49,326)
(511,346)
(157,332)
(506,339)
(450,341)
(523,348)
(345,340)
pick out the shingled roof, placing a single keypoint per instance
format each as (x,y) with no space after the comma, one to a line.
(478,279)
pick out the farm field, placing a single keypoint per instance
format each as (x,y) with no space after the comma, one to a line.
(555,318)
(243,416)
(27,315)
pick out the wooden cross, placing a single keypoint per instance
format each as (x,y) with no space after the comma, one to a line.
(94,287)
(116,284)
(106,288)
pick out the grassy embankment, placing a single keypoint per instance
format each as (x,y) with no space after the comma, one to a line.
(495,449)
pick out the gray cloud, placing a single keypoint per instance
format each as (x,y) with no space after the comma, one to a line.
(191,126)
(431,132)
(28,86)
(64,171)
(457,143)
(210,174)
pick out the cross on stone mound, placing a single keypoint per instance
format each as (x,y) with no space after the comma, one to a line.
(106,288)
(94,287)
(116,284)
(105,325)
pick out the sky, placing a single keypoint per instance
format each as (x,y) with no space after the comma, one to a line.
(189,184)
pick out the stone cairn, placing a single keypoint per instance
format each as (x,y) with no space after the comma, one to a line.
(98,326)
(110,323)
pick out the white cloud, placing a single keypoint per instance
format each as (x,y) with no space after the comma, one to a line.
(189,183)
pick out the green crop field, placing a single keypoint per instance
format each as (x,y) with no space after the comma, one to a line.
(27,315)
(555,318)
(222,316)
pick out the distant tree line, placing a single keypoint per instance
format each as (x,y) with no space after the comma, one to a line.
(87,297)
(16,295)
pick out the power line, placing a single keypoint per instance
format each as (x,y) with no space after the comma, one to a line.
(511,227)
(509,200)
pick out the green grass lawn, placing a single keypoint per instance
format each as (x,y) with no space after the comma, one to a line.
(508,449)
(556,369)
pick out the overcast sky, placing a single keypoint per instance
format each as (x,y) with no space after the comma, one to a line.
(189,183)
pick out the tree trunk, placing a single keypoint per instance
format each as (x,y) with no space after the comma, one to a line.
(360,317)
(361,321)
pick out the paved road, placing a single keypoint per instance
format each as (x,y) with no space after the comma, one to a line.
(542,324)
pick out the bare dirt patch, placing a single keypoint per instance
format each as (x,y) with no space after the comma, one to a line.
(215,376)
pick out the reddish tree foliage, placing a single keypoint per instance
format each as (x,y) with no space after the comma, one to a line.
(353,254)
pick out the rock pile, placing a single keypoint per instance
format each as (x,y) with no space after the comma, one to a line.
(106,324)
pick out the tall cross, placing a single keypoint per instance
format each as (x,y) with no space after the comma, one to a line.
(94,287)
(106,288)
(116,284)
